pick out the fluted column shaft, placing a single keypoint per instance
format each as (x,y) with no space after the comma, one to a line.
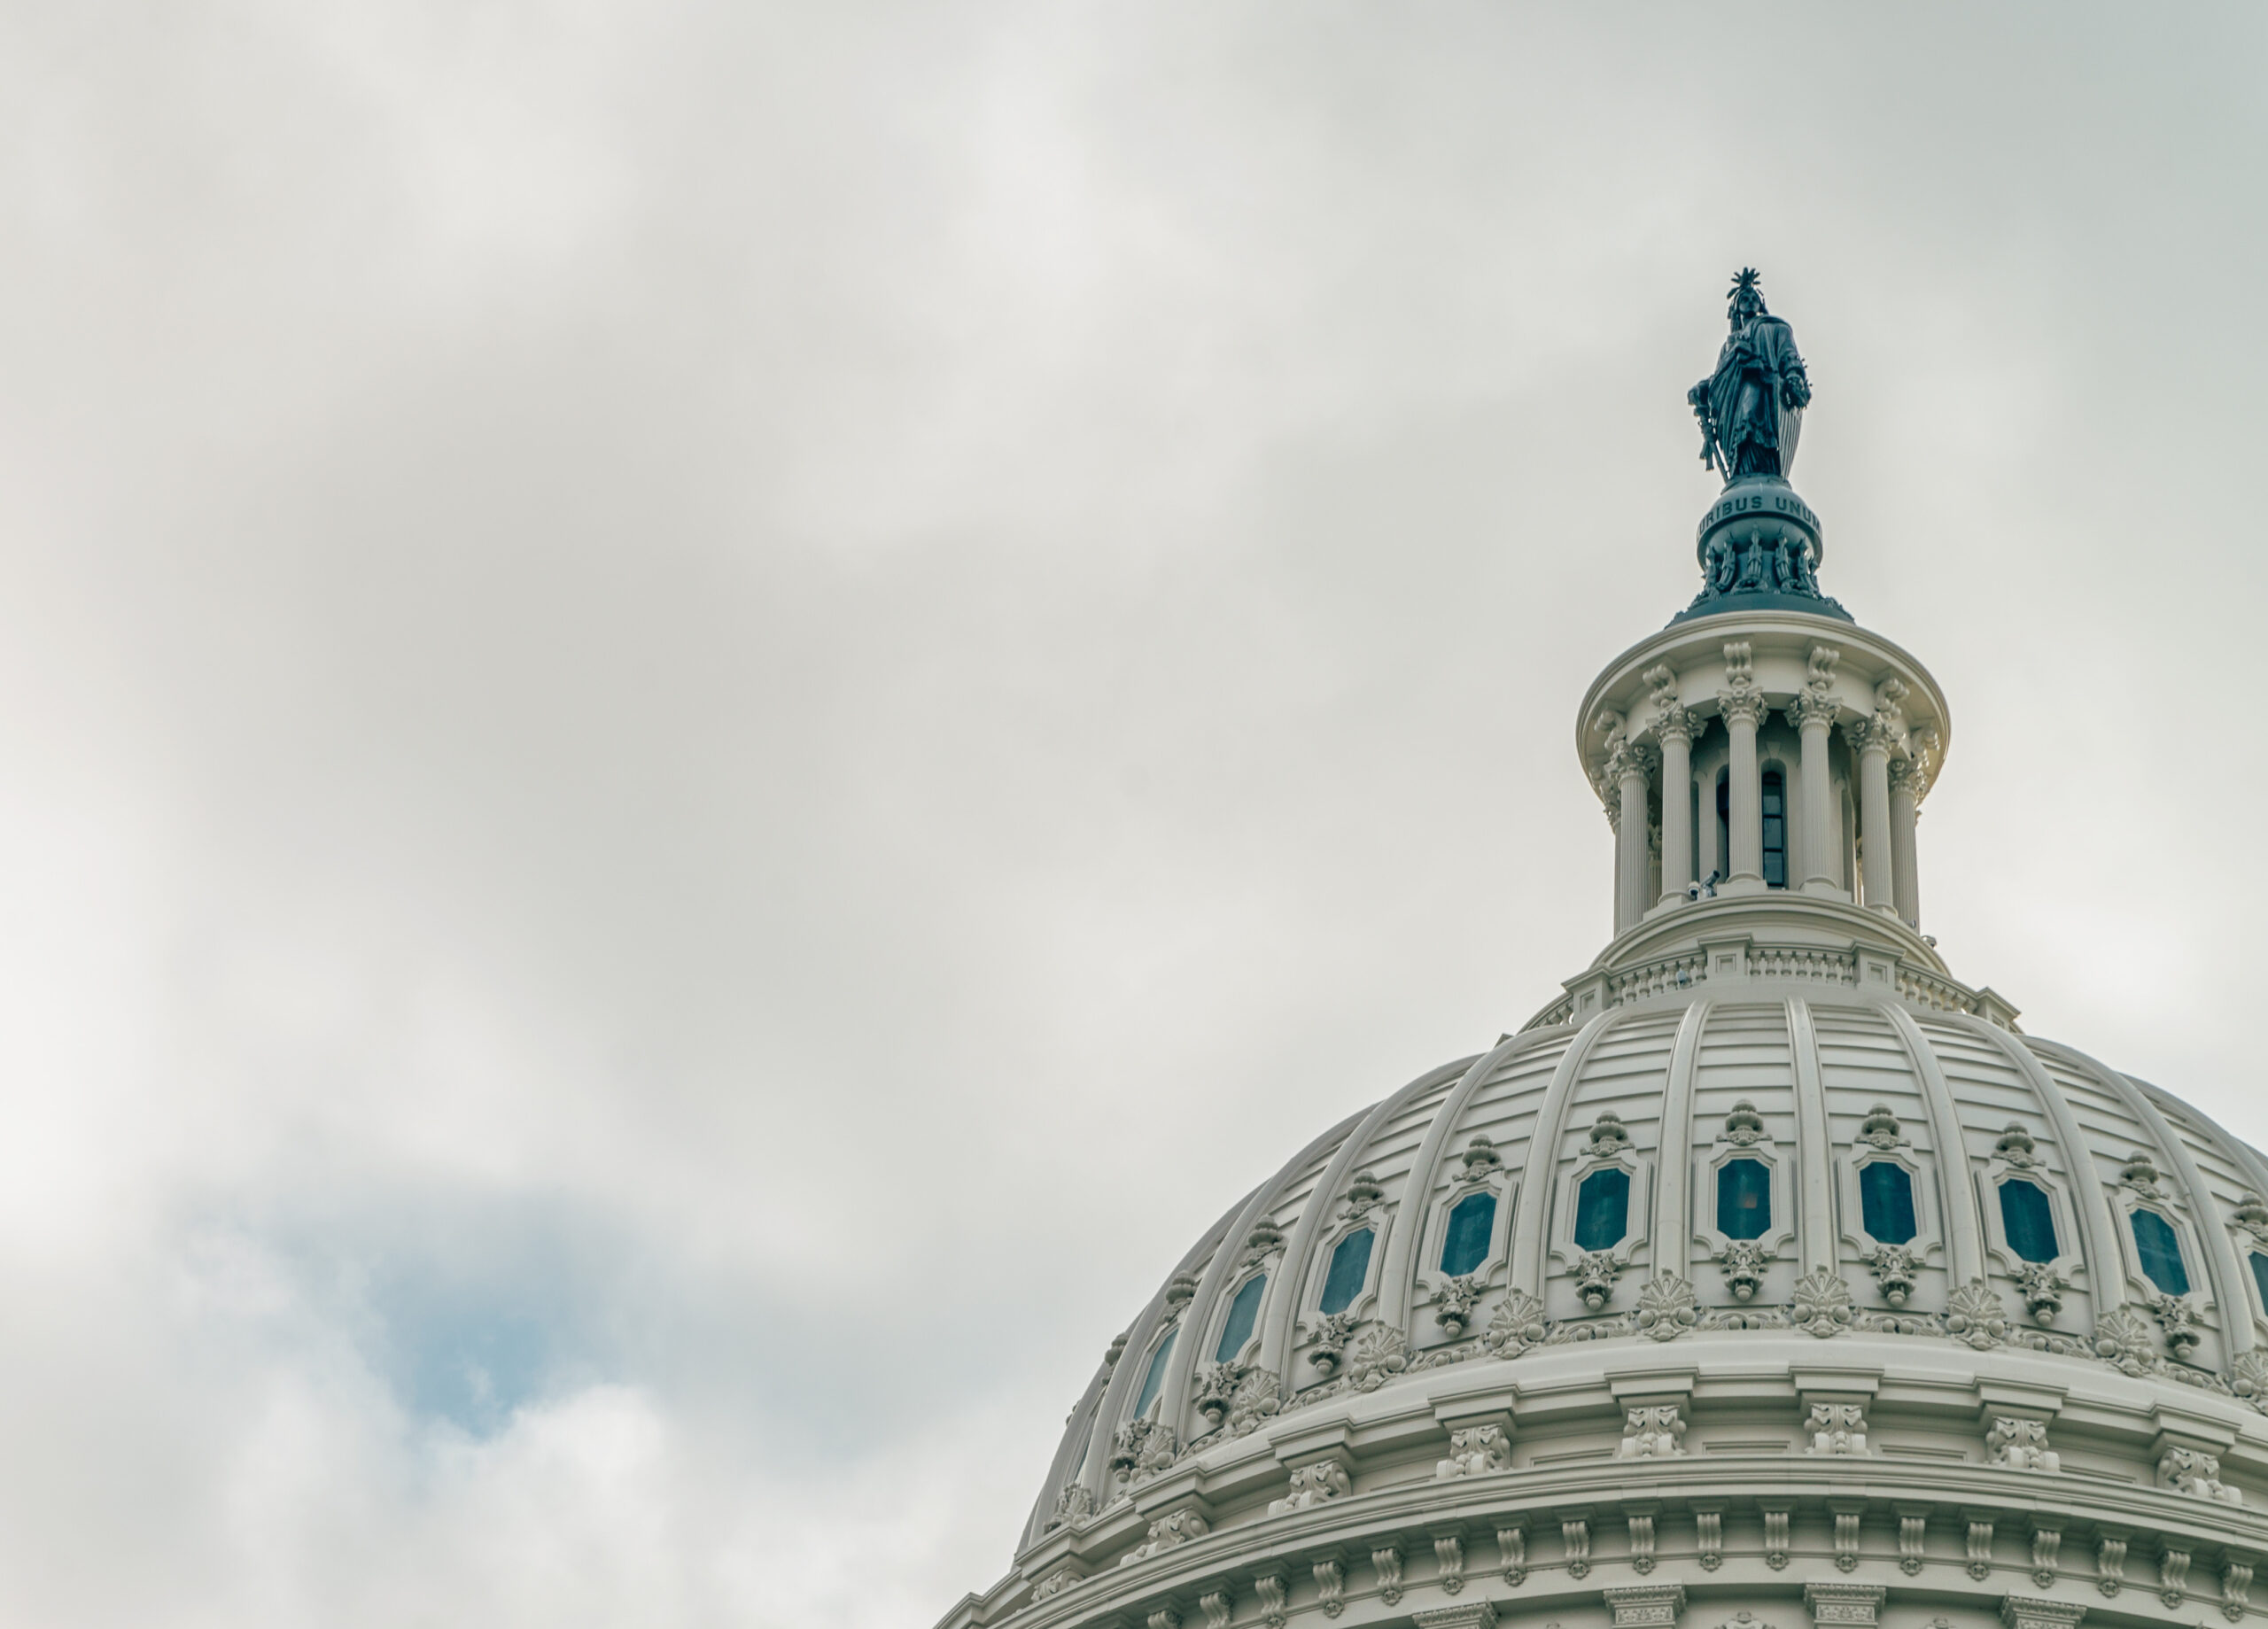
(1813,714)
(1632,861)
(1675,730)
(1906,877)
(1876,842)
(1742,711)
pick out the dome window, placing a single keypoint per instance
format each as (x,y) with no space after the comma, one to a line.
(2259,1274)
(1775,832)
(1156,1377)
(1350,1268)
(1886,1201)
(1602,1209)
(2161,1251)
(1244,1312)
(1472,1224)
(1743,1198)
(2028,1220)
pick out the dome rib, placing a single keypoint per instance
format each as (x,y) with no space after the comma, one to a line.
(2097,1229)
(1670,1231)
(1284,1295)
(1139,1334)
(1963,1225)
(1197,1317)
(2221,1265)
(1815,1240)
(1529,1240)
(1405,1223)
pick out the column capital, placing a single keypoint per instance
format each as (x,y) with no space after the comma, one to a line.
(1908,774)
(1677,723)
(1745,703)
(1867,735)
(1630,760)
(1814,706)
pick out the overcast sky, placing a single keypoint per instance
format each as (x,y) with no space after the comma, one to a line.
(711,716)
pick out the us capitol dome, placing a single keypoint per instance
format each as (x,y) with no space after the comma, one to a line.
(1769,1275)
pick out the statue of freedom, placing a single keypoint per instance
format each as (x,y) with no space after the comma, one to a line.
(1752,408)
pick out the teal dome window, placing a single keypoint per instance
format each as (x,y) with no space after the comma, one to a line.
(2028,1220)
(1886,1201)
(2160,1247)
(1244,1312)
(1156,1377)
(1471,1226)
(1743,1198)
(1602,1209)
(2260,1274)
(1350,1266)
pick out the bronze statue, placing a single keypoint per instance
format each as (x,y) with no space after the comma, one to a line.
(1752,408)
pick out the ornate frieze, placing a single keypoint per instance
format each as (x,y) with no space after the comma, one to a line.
(1168,1532)
(2015,1444)
(1475,1451)
(2196,1473)
(1836,1429)
(1313,1484)
(1655,1432)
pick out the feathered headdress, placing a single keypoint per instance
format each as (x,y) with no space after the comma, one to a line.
(1746,281)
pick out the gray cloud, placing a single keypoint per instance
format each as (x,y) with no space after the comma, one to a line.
(709,718)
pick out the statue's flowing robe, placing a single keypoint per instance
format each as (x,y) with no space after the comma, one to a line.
(1756,432)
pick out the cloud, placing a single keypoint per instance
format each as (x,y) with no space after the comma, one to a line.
(708,720)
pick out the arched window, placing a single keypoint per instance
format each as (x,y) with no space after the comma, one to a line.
(2028,1220)
(1471,1224)
(1602,1209)
(2260,1274)
(2161,1251)
(1743,1198)
(1776,829)
(1244,1312)
(1156,1377)
(1886,1201)
(1350,1265)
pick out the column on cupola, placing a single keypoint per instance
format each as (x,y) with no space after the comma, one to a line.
(1812,714)
(1743,708)
(1869,740)
(1626,769)
(1675,727)
(1905,802)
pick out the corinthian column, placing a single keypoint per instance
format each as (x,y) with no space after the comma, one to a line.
(1674,727)
(1869,741)
(1814,715)
(1627,767)
(1744,711)
(1906,877)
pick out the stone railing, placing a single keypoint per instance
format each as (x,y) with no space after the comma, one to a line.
(1799,963)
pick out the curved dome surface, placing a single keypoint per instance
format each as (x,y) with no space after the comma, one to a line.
(1769,1270)
(1747,1136)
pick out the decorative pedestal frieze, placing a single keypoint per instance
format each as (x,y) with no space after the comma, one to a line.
(1645,1606)
(1465,1615)
(2030,1612)
(1843,1603)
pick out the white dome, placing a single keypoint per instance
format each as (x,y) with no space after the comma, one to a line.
(1767,1270)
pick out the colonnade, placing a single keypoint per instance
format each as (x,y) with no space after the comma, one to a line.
(1888,778)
